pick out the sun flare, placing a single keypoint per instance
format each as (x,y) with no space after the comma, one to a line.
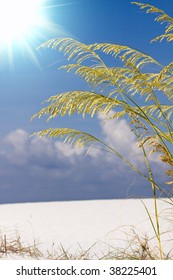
(18,18)
(24,25)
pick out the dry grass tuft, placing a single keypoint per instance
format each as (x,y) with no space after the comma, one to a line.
(138,248)
(15,248)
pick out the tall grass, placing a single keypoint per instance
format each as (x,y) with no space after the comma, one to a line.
(128,90)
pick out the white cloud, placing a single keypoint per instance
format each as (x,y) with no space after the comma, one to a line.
(67,151)
(17,152)
(21,148)
(17,138)
(118,135)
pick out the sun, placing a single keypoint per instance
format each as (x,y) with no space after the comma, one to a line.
(24,25)
(18,18)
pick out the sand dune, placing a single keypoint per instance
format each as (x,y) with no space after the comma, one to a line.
(74,223)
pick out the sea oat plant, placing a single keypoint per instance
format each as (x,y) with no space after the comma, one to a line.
(128,90)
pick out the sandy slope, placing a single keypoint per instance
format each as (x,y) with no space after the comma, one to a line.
(80,222)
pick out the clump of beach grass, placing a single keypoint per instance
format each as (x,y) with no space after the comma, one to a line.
(131,90)
(14,247)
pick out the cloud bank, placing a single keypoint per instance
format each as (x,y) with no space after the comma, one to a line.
(34,169)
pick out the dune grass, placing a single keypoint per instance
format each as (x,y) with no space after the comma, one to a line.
(14,248)
(137,248)
(132,90)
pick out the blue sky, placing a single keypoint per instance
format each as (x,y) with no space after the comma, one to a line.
(45,170)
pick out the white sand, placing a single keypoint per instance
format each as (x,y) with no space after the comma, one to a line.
(82,222)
